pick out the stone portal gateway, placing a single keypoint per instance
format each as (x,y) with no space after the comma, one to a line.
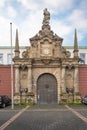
(46,89)
(46,68)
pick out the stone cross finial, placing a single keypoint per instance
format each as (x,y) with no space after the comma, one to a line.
(46,17)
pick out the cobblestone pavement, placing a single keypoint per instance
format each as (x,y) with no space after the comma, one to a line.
(6,115)
(59,118)
(84,112)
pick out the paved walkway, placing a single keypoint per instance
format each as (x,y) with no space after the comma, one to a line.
(48,118)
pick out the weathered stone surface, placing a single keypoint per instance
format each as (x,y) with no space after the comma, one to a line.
(47,55)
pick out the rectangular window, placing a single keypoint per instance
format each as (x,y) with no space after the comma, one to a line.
(1,58)
(82,58)
(9,58)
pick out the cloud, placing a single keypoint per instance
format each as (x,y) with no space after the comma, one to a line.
(59,5)
(11,12)
(78,19)
(29,4)
(60,27)
(55,6)
(27,15)
(5,31)
(4,34)
(30,26)
(2,3)
(33,22)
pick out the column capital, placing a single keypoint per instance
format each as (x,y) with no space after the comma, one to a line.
(16,66)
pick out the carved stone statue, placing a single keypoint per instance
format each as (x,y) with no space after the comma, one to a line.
(46,17)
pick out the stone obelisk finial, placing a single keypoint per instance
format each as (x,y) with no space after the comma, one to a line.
(17,52)
(75,45)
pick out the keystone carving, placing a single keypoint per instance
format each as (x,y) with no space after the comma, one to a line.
(46,61)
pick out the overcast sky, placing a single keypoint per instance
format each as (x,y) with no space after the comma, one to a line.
(27,16)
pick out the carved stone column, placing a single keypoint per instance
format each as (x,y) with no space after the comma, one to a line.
(76,81)
(63,89)
(29,85)
(17,82)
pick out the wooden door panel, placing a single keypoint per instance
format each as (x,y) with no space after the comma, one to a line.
(47,89)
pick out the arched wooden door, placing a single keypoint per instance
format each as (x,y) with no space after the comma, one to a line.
(46,89)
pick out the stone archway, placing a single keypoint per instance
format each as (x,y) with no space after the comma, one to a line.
(47,89)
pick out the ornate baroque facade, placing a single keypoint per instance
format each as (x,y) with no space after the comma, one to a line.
(46,68)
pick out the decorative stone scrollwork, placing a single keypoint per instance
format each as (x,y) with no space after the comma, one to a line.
(70,90)
(46,61)
(23,67)
(68,54)
(23,90)
(57,38)
(25,54)
(70,66)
